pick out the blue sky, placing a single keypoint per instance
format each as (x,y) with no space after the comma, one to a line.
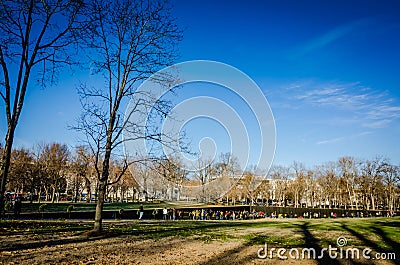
(329,69)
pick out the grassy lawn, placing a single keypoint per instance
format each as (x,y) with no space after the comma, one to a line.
(373,232)
(382,235)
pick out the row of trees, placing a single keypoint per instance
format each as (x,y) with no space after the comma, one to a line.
(348,183)
(52,172)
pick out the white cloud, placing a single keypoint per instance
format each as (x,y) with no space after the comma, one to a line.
(338,139)
(331,36)
(370,108)
(329,141)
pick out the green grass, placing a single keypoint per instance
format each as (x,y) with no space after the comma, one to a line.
(381,234)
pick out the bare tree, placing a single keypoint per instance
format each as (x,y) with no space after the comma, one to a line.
(391,180)
(173,173)
(312,188)
(349,168)
(54,157)
(35,37)
(328,182)
(297,185)
(371,181)
(228,176)
(279,183)
(250,183)
(81,171)
(127,42)
(205,171)
(22,163)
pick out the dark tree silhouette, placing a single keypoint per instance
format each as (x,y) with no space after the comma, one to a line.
(35,40)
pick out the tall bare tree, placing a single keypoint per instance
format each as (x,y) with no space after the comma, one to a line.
(298,184)
(205,171)
(127,42)
(54,157)
(172,172)
(250,184)
(279,183)
(391,179)
(371,180)
(349,171)
(328,182)
(81,171)
(35,38)
(22,164)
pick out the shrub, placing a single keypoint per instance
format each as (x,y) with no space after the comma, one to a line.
(70,208)
(42,207)
(7,206)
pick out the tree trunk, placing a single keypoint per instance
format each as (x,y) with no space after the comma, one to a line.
(98,218)
(53,194)
(355,200)
(39,195)
(46,190)
(373,201)
(171,192)
(76,190)
(5,166)
(88,190)
(102,184)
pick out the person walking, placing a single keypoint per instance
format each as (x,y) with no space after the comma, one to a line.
(17,207)
(165,212)
(141,212)
(173,214)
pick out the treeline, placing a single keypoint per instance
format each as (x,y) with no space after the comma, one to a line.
(51,171)
(348,183)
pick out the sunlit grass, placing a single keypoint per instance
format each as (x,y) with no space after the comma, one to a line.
(378,233)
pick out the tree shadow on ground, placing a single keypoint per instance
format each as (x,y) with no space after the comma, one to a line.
(312,242)
(367,242)
(161,230)
(389,223)
(226,257)
(53,242)
(395,246)
(118,250)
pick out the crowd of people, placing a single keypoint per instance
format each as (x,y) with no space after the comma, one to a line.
(205,214)
(13,203)
(217,214)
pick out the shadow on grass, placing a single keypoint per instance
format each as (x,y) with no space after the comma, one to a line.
(367,242)
(313,243)
(144,230)
(54,242)
(395,246)
(226,257)
(389,223)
